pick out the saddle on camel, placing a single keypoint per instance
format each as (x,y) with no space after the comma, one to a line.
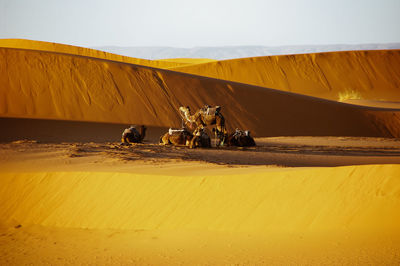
(177,137)
(240,138)
(204,117)
(132,135)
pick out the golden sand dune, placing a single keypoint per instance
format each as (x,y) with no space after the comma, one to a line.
(316,200)
(76,50)
(371,75)
(37,84)
(312,216)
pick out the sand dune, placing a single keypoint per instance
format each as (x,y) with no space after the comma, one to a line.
(348,198)
(45,85)
(371,75)
(312,216)
(82,51)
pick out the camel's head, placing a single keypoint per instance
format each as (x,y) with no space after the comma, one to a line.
(184,109)
(185,114)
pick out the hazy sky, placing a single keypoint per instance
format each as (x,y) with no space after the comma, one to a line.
(187,23)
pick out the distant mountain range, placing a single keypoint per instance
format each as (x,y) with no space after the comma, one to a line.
(230,52)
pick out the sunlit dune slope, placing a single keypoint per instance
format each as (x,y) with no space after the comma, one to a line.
(35,84)
(363,199)
(371,75)
(76,50)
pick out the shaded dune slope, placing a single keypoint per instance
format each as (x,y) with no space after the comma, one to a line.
(53,131)
(373,75)
(354,198)
(35,84)
(76,50)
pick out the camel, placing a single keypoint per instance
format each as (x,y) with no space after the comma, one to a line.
(240,138)
(205,116)
(200,139)
(131,135)
(182,137)
(177,137)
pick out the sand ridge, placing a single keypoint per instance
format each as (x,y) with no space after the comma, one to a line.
(82,51)
(187,61)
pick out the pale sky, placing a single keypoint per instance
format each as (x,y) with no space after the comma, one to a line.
(187,23)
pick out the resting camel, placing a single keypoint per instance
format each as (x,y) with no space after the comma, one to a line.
(200,139)
(205,116)
(182,137)
(131,135)
(177,137)
(240,138)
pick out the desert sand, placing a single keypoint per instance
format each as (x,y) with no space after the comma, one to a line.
(322,186)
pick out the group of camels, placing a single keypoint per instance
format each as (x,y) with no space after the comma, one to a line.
(193,132)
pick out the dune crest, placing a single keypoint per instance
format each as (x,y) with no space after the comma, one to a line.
(372,74)
(82,51)
(187,61)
